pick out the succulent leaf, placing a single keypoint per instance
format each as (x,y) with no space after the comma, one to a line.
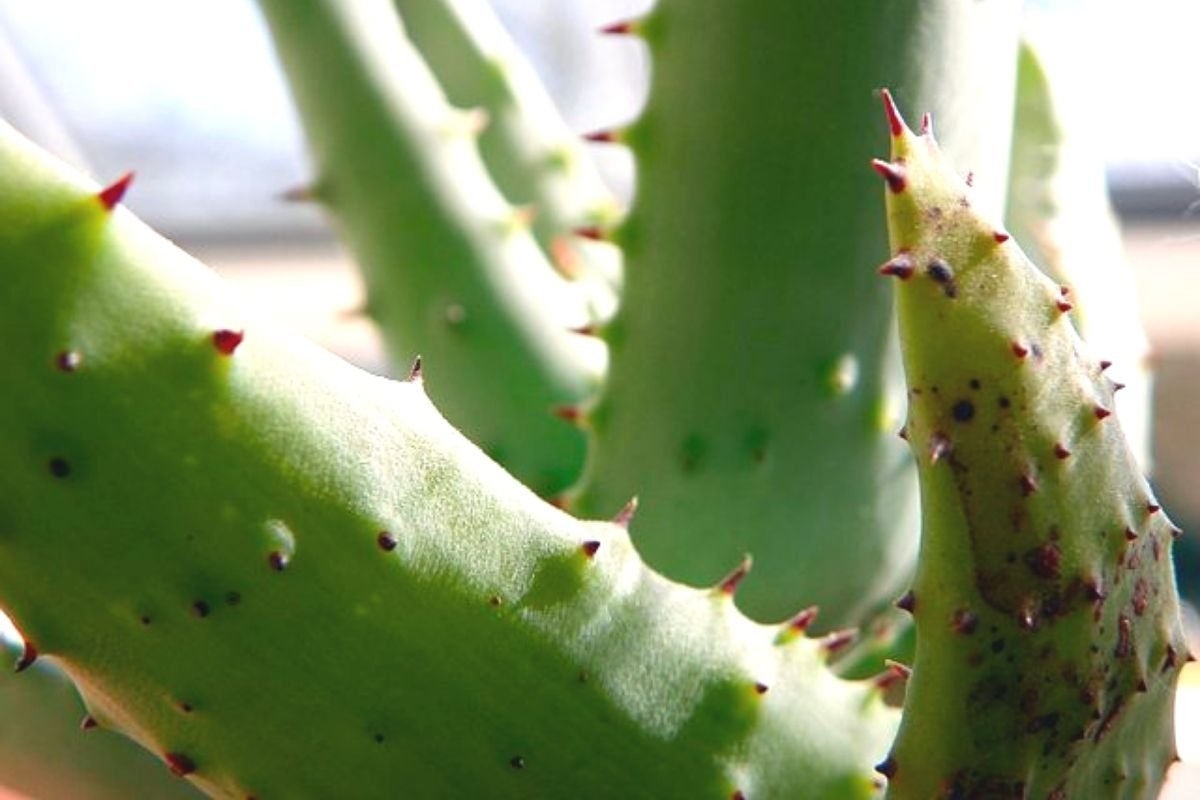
(533,156)
(1048,631)
(289,578)
(754,392)
(452,271)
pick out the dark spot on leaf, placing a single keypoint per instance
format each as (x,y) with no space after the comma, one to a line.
(1043,722)
(940,271)
(963,411)
(1044,561)
(965,621)
(1141,596)
(1124,637)
(68,360)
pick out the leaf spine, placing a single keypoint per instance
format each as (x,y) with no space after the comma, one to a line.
(28,655)
(112,194)
(625,516)
(227,341)
(899,266)
(895,120)
(414,372)
(623,28)
(729,584)
(893,174)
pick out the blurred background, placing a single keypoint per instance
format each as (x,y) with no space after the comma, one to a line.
(187,93)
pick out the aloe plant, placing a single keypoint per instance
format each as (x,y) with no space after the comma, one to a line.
(286,577)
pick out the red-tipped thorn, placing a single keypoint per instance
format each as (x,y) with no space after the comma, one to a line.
(801,622)
(1063,305)
(88,723)
(1153,508)
(603,137)
(833,642)
(894,673)
(587,329)
(761,688)
(299,194)
(887,768)
(625,515)
(112,194)
(226,341)
(1117,386)
(619,28)
(475,121)
(895,120)
(907,602)
(927,124)
(894,174)
(1001,237)
(1028,485)
(1061,452)
(28,656)
(899,266)
(523,216)
(1105,365)
(590,548)
(1130,535)
(179,764)
(414,372)
(730,582)
(1101,412)
(572,414)
(903,433)
(1019,350)
(566,257)
(593,232)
